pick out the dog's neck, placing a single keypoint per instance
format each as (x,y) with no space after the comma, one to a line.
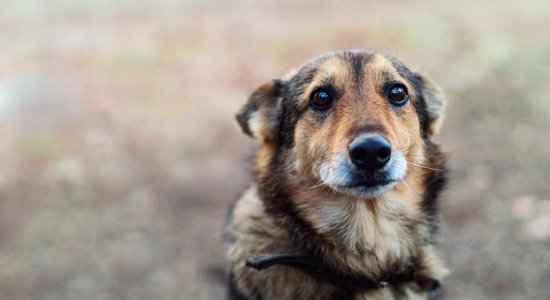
(369,235)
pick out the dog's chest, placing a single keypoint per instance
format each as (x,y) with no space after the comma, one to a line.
(374,235)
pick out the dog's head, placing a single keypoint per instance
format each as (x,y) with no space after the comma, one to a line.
(352,121)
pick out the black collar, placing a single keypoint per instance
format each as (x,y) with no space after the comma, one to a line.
(315,267)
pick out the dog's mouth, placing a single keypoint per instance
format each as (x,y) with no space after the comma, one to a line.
(342,177)
(366,188)
(369,183)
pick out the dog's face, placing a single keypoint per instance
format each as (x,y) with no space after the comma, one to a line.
(352,121)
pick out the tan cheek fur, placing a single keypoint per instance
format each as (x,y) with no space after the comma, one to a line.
(319,146)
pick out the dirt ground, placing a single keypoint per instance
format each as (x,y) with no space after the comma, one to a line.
(119,153)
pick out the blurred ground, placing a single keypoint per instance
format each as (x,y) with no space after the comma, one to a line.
(119,154)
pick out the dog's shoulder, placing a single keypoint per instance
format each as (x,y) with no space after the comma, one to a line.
(250,229)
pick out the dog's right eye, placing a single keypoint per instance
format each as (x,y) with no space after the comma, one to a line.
(320,99)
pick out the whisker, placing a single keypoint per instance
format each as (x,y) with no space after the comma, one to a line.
(316,185)
(425,167)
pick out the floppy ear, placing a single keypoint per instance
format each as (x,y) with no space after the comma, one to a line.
(435,104)
(261,114)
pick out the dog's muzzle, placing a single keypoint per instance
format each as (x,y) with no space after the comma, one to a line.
(367,167)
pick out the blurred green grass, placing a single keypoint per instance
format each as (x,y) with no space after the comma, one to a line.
(119,154)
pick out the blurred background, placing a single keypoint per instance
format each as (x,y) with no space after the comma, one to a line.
(119,153)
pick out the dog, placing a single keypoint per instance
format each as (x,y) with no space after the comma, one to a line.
(347,178)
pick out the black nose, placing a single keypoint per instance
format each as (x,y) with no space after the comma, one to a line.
(370,152)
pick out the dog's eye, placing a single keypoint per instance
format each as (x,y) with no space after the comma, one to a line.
(397,94)
(320,99)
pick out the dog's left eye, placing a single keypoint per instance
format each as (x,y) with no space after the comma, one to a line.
(397,94)
(320,99)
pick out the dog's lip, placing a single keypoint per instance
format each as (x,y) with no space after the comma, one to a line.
(369,183)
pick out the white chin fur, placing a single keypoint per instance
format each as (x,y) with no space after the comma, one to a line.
(337,173)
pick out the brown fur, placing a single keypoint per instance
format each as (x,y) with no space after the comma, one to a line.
(291,210)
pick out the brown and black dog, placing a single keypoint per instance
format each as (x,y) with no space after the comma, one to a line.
(347,180)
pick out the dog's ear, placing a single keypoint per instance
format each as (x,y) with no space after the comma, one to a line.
(261,114)
(435,104)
